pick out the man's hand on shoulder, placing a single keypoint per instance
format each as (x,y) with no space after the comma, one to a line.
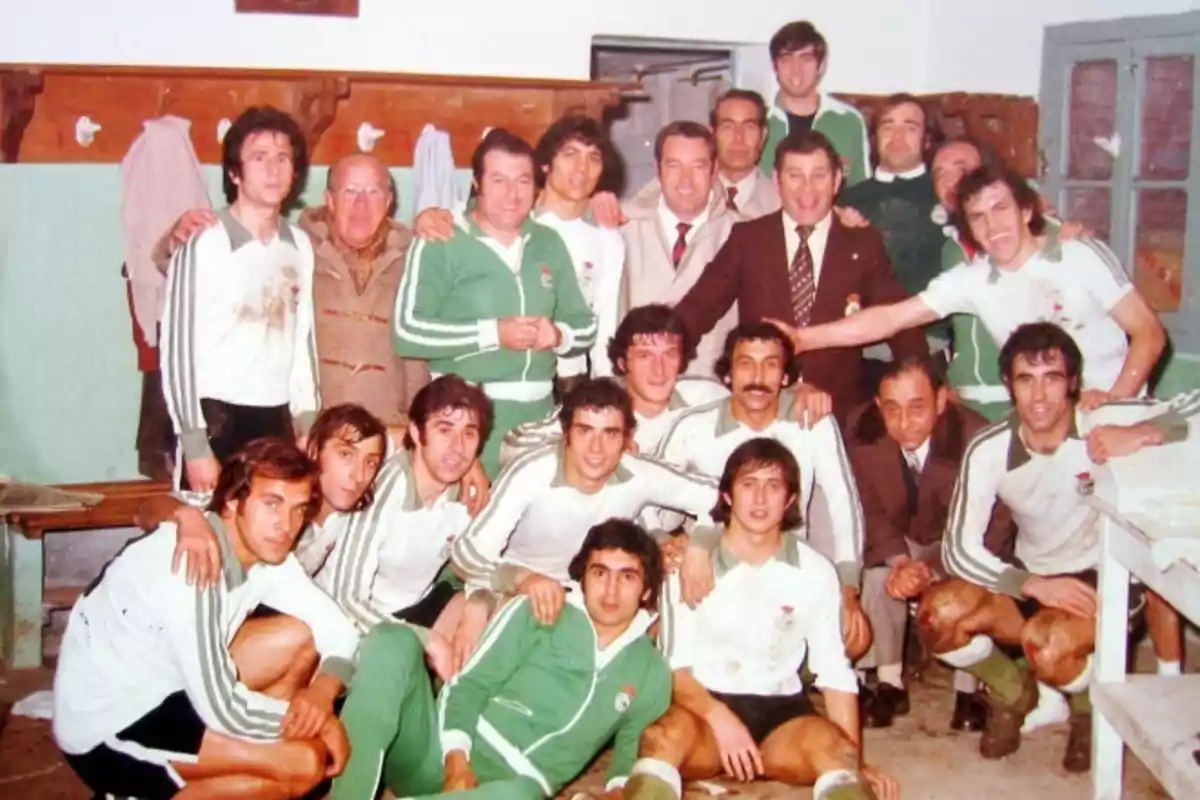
(546,597)
(851,217)
(202,473)
(434,224)
(811,405)
(188,225)
(606,210)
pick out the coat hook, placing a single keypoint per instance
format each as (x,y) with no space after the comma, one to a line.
(85,131)
(368,135)
(223,128)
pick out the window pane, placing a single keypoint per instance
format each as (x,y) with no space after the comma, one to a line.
(1166,117)
(1092,114)
(1091,207)
(1158,259)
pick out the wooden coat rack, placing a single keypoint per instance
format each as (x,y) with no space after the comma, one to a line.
(41,103)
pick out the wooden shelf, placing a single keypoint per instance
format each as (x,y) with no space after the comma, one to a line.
(40,104)
(1157,718)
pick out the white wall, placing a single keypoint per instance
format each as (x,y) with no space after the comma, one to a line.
(997,46)
(519,38)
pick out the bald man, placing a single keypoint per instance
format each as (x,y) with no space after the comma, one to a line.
(360,253)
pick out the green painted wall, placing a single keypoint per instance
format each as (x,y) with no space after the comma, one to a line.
(69,386)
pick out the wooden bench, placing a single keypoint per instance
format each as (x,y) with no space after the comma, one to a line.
(22,573)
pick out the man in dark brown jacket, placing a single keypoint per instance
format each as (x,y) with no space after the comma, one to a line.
(906,448)
(801,266)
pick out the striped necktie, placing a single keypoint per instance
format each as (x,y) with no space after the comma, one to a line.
(680,243)
(802,279)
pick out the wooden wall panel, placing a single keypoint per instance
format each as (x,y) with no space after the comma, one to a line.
(329,105)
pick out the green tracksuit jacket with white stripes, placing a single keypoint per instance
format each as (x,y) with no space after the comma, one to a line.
(547,700)
(454,293)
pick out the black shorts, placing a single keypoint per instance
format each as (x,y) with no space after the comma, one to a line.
(426,611)
(231,427)
(1137,594)
(762,714)
(136,762)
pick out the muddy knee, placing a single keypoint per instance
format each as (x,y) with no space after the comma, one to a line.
(1051,648)
(941,610)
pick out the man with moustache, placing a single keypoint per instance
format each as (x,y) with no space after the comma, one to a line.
(498,302)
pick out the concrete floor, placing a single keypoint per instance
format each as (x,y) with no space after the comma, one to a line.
(930,761)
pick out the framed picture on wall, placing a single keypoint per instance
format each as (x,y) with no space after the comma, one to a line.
(338,8)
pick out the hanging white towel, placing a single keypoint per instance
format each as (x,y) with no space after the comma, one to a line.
(162,178)
(434,183)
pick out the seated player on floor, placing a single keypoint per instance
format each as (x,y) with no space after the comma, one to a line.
(738,706)
(1039,463)
(534,705)
(148,701)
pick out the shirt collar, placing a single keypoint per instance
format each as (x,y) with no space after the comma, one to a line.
(727,423)
(820,229)
(779,112)
(231,568)
(885,176)
(638,626)
(412,499)
(671,221)
(788,553)
(239,236)
(1018,453)
(621,475)
(745,187)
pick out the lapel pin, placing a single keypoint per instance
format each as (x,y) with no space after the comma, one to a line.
(853,304)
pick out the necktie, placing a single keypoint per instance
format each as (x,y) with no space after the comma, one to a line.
(731,198)
(680,243)
(802,280)
(911,473)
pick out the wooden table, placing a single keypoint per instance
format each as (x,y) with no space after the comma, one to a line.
(22,591)
(1157,717)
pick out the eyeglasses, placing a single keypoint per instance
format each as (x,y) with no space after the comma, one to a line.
(370,192)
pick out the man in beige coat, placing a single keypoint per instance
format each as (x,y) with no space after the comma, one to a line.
(675,225)
(739,121)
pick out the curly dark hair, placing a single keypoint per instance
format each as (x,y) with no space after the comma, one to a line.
(627,536)
(258,119)
(655,319)
(757,332)
(1036,341)
(597,394)
(450,392)
(581,129)
(756,454)
(984,176)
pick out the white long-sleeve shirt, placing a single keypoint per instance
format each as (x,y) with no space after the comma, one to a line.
(140,633)
(599,258)
(689,392)
(535,519)
(753,632)
(391,553)
(703,438)
(1057,533)
(238,327)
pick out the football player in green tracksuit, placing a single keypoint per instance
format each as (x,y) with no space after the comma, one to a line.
(499,301)
(533,705)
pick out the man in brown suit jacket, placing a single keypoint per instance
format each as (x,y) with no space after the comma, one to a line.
(906,448)
(802,266)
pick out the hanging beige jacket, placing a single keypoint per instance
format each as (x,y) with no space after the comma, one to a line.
(651,278)
(357,363)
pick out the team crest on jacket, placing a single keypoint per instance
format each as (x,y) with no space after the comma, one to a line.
(547,277)
(624,699)
(853,304)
